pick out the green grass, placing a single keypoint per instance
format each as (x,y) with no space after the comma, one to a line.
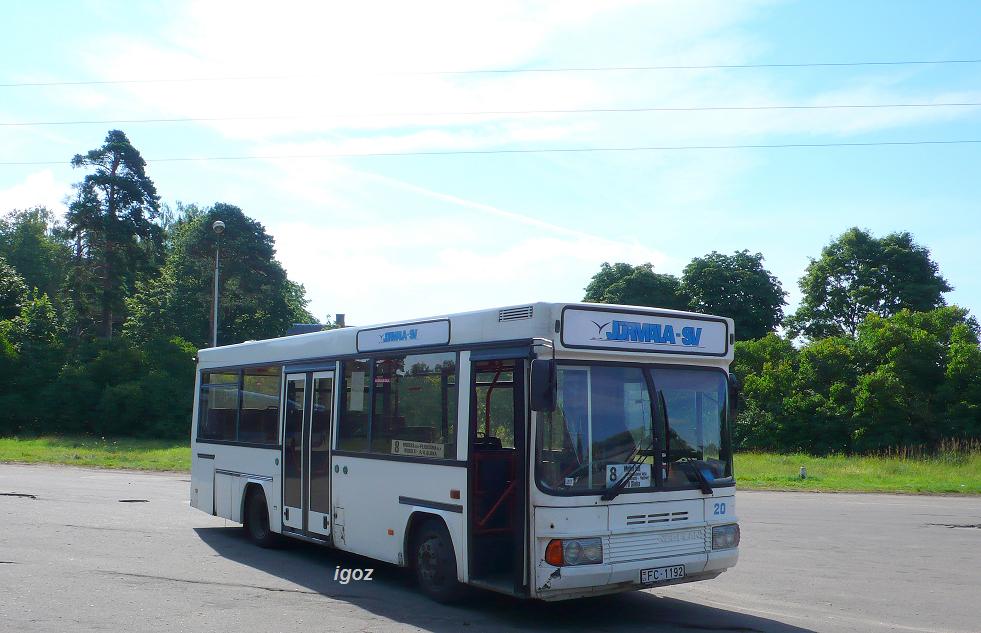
(945,473)
(951,472)
(136,454)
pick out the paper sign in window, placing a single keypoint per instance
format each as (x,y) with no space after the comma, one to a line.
(357,391)
(418,449)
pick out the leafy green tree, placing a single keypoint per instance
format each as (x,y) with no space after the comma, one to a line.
(32,352)
(32,241)
(817,412)
(11,398)
(119,388)
(257,299)
(115,240)
(12,291)
(913,378)
(857,275)
(900,397)
(736,286)
(636,285)
(960,394)
(766,367)
(37,324)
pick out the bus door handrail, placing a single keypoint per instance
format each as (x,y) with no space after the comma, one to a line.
(487,403)
(504,495)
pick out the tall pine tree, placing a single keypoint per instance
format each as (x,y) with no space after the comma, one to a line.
(115,240)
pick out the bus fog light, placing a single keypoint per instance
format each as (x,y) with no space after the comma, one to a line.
(725,536)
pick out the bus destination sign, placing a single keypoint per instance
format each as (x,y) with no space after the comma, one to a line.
(644,332)
(421,334)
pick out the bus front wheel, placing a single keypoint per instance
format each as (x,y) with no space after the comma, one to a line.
(257,519)
(435,562)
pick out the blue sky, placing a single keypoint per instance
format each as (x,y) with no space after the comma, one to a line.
(386,238)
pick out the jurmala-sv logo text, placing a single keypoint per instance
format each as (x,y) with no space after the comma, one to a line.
(638,332)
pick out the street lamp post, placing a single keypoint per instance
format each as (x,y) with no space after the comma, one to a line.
(218,227)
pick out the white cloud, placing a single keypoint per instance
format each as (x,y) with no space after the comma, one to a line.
(412,268)
(346,59)
(37,189)
(386,246)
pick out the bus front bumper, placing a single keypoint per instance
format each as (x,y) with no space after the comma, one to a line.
(562,583)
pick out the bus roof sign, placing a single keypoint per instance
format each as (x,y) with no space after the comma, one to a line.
(403,335)
(644,331)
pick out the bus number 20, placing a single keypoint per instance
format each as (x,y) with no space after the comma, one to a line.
(720,508)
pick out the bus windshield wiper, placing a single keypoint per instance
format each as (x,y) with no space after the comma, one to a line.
(700,479)
(633,465)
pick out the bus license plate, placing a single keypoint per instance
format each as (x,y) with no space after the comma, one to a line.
(661,574)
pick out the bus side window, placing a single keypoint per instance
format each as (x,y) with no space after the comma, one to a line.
(352,428)
(218,411)
(258,421)
(414,410)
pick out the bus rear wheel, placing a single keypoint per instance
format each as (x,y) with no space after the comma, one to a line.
(435,562)
(257,519)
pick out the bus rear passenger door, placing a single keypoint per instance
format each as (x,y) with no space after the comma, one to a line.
(318,453)
(293,453)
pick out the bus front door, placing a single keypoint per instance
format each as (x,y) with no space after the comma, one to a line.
(306,456)
(498,517)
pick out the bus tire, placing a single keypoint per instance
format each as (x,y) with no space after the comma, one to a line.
(257,519)
(434,562)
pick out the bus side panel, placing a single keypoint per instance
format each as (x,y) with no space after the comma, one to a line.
(238,466)
(225,487)
(202,480)
(378,497)
(202,462)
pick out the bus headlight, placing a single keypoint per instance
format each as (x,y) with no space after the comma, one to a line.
(580,551)
(725,536)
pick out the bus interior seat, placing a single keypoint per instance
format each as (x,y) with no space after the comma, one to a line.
(487,442)
(418,434)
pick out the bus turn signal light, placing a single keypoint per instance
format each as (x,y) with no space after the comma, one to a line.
(553,553)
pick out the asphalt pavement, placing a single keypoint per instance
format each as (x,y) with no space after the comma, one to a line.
(91,550)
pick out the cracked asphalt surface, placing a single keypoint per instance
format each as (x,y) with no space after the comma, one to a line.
(73,558)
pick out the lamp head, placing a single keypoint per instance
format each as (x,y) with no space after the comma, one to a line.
(218,227)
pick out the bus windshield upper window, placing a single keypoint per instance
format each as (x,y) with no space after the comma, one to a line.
(602,421)
(697,437)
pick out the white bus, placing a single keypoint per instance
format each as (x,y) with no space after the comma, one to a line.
(547,451)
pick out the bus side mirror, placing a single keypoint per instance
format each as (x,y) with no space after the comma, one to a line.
(542,394)
(734,389)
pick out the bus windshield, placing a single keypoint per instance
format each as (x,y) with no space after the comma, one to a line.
(607,419)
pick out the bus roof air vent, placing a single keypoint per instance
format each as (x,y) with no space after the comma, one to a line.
(515,314)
